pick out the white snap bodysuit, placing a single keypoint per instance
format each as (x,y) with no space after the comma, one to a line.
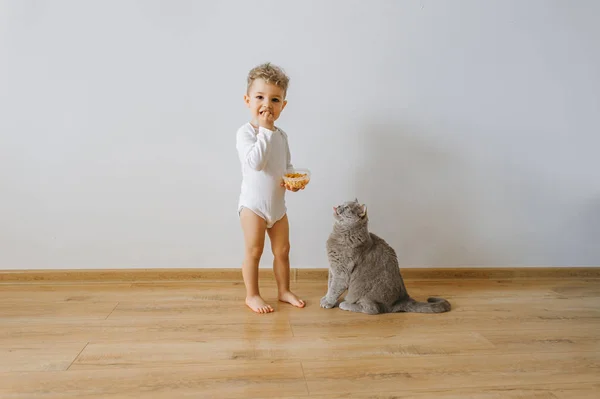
(265,158)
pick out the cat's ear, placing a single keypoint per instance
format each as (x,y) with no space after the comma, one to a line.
(363,212)
(356,200)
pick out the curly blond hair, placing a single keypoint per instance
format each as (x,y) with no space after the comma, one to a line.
(269,73)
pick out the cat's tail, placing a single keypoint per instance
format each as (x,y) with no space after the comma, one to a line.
(433,305)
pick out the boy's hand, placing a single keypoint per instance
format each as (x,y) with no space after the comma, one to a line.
(266,120)
(294,189)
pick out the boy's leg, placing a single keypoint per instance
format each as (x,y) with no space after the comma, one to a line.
(254,228)
(280,245)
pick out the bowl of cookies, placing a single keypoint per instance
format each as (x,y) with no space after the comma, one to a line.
(296,179)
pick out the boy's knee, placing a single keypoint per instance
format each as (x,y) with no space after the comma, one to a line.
(282,252)
(254,252)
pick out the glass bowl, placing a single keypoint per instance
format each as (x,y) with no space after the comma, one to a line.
(297,178)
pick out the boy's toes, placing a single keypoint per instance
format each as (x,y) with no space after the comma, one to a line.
(258,305)
(266,309)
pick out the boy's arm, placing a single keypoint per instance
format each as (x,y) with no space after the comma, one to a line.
(289,165)
(254,149)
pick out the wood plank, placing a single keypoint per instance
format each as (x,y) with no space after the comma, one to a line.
(125,330)
(285,349)
(451,372)
(579,391)
(396,324)
(541,306)
(199,381)
(513,392)
(540,341)
(17,293)
(29,310)
(489,288)
(456,320)
(543,391)
(578,289)
(107,292)
(38,356)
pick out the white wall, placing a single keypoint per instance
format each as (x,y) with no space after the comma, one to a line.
(469,128)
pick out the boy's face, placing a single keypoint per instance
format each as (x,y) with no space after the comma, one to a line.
(264,96)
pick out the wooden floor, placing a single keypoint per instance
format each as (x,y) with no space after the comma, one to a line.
(504,339)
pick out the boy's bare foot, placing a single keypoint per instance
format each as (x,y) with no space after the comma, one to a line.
(292,299)
(258,305)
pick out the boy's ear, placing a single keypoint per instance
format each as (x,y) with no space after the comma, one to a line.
(284,104)
(247,100)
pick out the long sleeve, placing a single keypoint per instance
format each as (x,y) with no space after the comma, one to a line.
(289,165)
(253,149)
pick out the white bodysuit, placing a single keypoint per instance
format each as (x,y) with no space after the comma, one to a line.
(265,158)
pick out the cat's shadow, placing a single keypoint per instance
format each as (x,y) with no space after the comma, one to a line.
(417,196)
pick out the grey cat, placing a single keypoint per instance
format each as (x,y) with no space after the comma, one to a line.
(366,266)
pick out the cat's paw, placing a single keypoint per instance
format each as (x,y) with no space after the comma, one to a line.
(326,304)
(347,306)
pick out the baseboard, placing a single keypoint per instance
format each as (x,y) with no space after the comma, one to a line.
(231,274)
